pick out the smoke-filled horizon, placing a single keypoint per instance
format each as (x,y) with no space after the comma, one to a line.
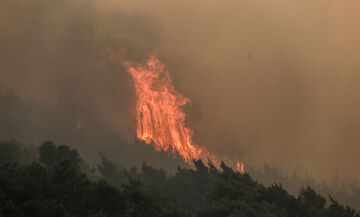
(270,81)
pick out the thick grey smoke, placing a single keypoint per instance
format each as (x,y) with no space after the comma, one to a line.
(56,53)
(271,81)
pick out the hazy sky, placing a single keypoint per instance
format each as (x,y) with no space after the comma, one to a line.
(271,81)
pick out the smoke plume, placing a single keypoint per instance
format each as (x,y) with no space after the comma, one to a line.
(270,81)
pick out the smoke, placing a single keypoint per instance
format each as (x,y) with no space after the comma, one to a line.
(270,81)
(56,52)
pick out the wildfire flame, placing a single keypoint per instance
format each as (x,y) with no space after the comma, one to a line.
(160,117)
(240,167)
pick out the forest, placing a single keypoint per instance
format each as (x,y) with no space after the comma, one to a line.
(53,180)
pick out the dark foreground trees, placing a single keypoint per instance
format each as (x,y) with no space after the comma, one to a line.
(57,185)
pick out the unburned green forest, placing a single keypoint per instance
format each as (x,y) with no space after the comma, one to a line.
(53,180)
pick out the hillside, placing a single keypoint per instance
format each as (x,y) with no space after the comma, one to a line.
(57,182)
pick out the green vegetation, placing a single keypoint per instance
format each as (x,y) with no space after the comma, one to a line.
(57,184)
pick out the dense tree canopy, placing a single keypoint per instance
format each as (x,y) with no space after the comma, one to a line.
(57,185)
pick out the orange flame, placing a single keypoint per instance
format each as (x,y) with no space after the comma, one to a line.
(240,167)
(160,117)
